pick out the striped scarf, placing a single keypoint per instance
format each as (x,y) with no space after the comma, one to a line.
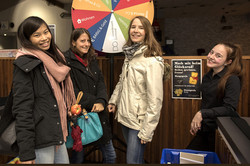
(130,50)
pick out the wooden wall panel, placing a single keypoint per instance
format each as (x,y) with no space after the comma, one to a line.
(222,150)
(6,69)
(176,115)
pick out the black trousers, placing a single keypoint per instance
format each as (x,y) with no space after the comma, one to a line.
(203,141)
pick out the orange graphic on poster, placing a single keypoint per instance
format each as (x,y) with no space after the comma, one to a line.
(178,92)
(194,78)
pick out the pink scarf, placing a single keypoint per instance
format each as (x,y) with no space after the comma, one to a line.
(57,74)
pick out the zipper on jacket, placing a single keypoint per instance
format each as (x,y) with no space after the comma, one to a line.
(127,70)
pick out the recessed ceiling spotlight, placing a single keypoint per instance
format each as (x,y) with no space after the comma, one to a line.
(5,34)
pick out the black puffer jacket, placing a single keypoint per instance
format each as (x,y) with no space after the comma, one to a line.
(92,84)
(34,108)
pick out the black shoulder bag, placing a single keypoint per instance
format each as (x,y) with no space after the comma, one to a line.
(8,145)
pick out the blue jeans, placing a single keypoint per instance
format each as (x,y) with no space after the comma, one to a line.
(52,155)
(135,150)
(108,154)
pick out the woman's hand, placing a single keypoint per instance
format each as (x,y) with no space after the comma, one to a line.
(27,162)
(143,142)
(111,108)
(196,123)
(97,107)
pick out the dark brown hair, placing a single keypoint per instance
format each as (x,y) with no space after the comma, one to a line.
(74,36)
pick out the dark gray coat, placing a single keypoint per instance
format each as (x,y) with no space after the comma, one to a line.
(92,84)
(34,108)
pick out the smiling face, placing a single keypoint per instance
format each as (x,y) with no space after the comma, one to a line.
(82,44)
(137,32)
(41,38)
(217,58)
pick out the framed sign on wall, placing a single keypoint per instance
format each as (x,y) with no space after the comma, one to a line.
(52,28)
(186,78)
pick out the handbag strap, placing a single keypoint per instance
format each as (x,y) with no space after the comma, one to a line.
(85,113)
(79,96)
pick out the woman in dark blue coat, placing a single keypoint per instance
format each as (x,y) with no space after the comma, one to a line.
(87,77)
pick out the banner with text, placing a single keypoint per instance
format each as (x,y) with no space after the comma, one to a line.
(186,78)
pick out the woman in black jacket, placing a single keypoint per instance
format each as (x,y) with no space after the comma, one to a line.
(87,77)
(40,105)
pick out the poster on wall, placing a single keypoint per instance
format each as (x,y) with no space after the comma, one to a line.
(52,28)
(186,78)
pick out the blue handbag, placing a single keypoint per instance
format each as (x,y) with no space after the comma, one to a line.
(91,126)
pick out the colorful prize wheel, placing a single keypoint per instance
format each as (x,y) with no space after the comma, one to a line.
(108,20)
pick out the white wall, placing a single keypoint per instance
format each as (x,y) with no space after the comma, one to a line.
(51,14)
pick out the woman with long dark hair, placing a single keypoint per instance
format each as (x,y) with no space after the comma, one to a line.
(87,77)
(220,88)
(42,95)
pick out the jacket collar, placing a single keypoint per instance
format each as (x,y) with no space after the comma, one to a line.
(220,74)
(141,50)
(27,62)
(73,62)
(69,55)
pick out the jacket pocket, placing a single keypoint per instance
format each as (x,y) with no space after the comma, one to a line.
(37,116)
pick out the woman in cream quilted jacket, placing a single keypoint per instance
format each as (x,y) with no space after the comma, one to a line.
(137,98)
